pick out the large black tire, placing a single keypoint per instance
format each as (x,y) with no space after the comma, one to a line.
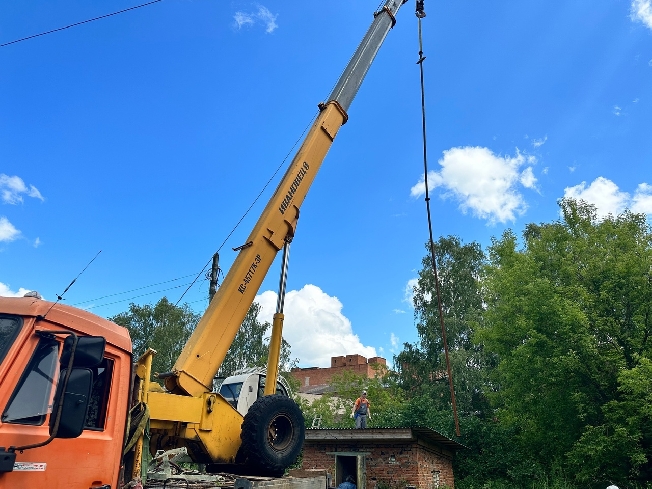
(272,435)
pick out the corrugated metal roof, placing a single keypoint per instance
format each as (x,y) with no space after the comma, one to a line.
(381,434)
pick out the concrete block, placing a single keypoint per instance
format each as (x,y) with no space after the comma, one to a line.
(318,482)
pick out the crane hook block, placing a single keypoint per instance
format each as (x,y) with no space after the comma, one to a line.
(421,13)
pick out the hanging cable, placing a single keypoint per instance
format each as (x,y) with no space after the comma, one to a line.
(420,13)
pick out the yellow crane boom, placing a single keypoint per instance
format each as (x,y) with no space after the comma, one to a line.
(205,350)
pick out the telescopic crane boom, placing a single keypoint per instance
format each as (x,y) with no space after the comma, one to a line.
(204,352)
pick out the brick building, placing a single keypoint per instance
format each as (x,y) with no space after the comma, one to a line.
(313,379)
(382,458)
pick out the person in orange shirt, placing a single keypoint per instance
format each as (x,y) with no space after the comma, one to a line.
(361,412)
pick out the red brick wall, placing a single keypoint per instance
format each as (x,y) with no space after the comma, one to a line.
(352,363)
(389,465)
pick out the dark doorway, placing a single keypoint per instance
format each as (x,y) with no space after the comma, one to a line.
(353,464)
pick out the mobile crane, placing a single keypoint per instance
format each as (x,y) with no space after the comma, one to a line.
(77,413)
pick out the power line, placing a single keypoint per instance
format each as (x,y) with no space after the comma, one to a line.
(80,23)
(136,296)
(134,290)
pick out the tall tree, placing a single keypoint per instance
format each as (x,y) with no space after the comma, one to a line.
(421,366)
(569,317)
(163,327)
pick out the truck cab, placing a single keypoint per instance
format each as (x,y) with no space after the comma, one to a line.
(246,386)
(32,334)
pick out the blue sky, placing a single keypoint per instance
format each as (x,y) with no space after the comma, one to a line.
(147,135)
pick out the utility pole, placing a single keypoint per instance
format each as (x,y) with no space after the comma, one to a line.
(213,277)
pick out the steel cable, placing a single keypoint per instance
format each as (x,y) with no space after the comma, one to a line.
(420,13)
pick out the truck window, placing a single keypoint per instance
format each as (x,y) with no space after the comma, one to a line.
(29,404)
(280,389)
(231,392)
(99,401)
(9,328)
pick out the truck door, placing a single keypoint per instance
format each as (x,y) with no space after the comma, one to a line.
(26,396)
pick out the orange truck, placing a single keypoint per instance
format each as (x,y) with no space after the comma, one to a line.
(76,411)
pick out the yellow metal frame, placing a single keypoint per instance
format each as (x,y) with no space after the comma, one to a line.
(144,373)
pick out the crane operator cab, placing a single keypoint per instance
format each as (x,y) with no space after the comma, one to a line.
(246,386)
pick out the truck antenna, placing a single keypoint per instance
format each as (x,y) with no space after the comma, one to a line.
(60,297)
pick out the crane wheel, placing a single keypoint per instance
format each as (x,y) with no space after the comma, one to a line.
(272,434)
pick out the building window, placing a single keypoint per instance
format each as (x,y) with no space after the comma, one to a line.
(307,382)
(30,402)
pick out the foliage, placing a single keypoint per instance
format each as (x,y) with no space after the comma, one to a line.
(569,318)
(421,367)
(550,352)
(335,406)
(163,327)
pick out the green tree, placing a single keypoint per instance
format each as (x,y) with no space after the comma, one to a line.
(568,315)
(421,366)
(163,327)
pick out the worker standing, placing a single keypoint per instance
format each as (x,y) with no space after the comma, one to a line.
(361,412)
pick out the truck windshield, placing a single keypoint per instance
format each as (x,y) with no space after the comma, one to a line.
(9,328)
(29,403)
(231,392)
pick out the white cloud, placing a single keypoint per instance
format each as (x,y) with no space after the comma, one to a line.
(482,182)
(642,201)
(243,19)
(642,11)
(5,291)
(37,242)
(617,110)
(13,188)
(408,293)
(262,16)
(649,62)
(609,199)
(268,18)
(537,143)
(7,230)
(571,169)
(528,180)
(399,311)
(314,326)
(393,339)
(636,100)
(545,171)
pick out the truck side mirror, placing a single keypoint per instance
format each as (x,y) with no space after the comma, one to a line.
(89,352)
(74,401)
